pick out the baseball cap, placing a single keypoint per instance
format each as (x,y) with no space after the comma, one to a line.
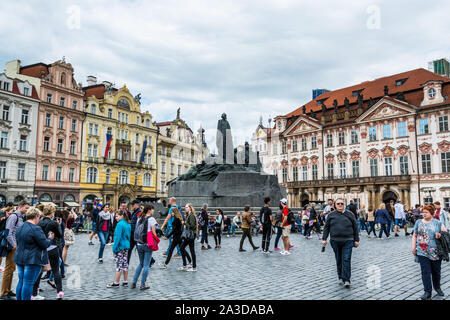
(284,201)
(99,205)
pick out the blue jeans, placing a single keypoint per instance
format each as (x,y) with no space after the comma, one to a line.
(228,229)
(343,254)
(145,256)
(233,229)
(102,235)
(28,275)
(362,225)
(371,228)
(391,226)
(384,228)
(277,238)
(431,273)
(170,243)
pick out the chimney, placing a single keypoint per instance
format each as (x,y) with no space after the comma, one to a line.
(91,80)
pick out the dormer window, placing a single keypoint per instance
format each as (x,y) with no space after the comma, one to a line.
(6,86)
(431,93)
(26,91)
(356,93)
(400,82)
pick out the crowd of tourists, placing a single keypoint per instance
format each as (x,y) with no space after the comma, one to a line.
(36,240)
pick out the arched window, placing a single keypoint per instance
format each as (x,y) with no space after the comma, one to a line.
(123,177)
(108,176)
(19,198)
(147,123)
(91,175)
(147,180)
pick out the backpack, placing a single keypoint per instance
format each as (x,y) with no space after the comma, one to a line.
(279,216)
(290,217)
(201,220)
(140,233)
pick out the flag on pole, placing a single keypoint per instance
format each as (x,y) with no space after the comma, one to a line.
(143,151)
(107,145)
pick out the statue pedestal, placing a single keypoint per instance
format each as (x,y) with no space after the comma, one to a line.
(229,189)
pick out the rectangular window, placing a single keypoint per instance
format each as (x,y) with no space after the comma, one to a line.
(61,123)
(71,174)
(372,133)
(283,147)
(48,119)
(110,111)
(45,173)
(445,159)
(330,170)
(89,150)
(443,124)
(313,142)
(163,167)
(304,147)
(423,126)
(91,128)
(74,125)
(49,98)
(72,147)
(23,143)
(6,86)
(46,143)
(355,168)
(295,173)
(93,109)
(21,172)
(74,105)
(426,163)
(294,146)
(314,172)
(2,169)
(5,115)
(342,170)
(275,149)
(428,201)
(329,140)
(404,165)
(172,168)
(284,175)
(304,173)
(60,145)
(387,131)
(374,167)
(58,173)
(402,129)
(447,203)
(62,101)
(24,118)
(26,91)
(354,136)
(4,140)
(341,138)
(179,170)
(388,166)
(96,130)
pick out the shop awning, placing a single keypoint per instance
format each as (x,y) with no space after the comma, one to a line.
(71,204)
(46,203)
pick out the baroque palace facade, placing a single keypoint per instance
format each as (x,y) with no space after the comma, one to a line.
(119,147)
(372,142)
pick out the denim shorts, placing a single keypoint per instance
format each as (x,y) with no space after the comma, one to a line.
(399,222)
(94,226)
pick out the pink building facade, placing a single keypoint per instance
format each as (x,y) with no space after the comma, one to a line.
(60,122)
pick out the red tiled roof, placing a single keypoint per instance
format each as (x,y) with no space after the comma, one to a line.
(97,90)
(162,124)
(411,88)
(15,90)
(35,70)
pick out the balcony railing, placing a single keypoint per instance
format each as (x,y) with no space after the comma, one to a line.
(349,180)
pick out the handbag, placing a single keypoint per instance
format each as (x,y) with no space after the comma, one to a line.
(187,234)
(152,241)
(69,237)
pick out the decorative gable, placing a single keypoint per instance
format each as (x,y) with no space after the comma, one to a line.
(300,126)
(386,108)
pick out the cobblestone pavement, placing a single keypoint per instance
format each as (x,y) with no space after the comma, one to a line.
(381,269)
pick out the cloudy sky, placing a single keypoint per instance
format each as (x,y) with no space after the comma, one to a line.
(245,58)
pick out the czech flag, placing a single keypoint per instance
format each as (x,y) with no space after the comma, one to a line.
(143,151)
(107,145)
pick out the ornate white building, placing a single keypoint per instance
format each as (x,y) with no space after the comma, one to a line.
(379,140)
(19,103)
(178,150)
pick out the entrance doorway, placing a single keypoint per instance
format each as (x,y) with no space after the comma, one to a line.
(304,199)
(389,196)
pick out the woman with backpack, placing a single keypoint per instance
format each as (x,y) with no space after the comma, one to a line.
(203,224)
(218,228)
(104,227)
(192,228)
(145,228)
(120,248)
(279,228)
(177,229)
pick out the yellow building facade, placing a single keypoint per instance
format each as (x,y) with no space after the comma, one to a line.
(127,169)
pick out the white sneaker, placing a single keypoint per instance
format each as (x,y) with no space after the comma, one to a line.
(287,253)
(191,269)
(38,297)
(283,252)
(162,265)
(182,268)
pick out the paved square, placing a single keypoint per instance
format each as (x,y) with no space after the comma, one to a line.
(381,269)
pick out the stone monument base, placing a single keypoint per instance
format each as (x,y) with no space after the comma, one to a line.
(229,189)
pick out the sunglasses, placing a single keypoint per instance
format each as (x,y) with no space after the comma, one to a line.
(339,204)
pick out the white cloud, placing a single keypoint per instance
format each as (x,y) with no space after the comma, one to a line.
(245,58)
